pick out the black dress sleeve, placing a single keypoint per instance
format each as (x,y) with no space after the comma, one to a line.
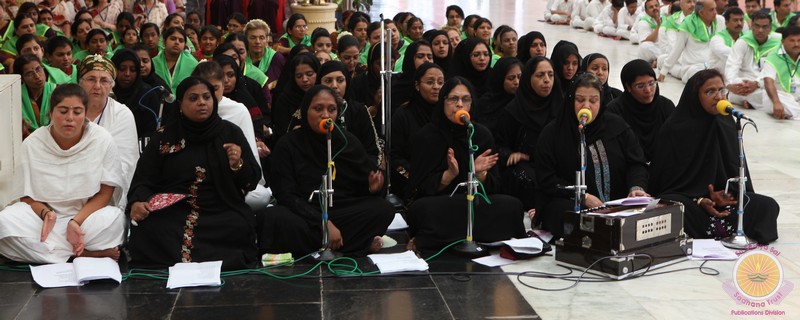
(147,173)
(637,174)
(546,164)
(285,186)
(506,133)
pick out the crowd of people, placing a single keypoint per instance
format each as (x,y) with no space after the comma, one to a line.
(227,170)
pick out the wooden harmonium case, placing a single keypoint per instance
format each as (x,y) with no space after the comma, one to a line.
(613,229)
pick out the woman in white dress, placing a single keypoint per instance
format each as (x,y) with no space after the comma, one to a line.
(70,171)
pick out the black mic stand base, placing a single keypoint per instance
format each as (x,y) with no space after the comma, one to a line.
(396,202)
(326,255)
(470,249)
(738,242)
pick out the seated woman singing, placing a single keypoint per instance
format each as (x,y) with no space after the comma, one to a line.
(439,162)
(615,166)
(359,215)
(70,170)
(207,161)
(696,152)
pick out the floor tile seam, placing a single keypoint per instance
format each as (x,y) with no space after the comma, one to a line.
(441,296)
(383,289)
(24,306)
(246,305)
(174,303)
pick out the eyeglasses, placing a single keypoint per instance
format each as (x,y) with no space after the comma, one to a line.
(642,85)
(33,73)
(714,92)
(301,27)
(431,83)
(103,81)
(466,100)
(758,27)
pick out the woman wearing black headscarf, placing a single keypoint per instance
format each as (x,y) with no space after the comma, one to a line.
(471,60)
(531,45)
(198,155)
(641,105)
(296,78)
(234,88)
(410,117)
(354,116)
(439,162)
(615,166)
(503,82)
(697,153)
(536,102)
(130,89)
(566,61)
(365,86)
(417,53)
(597,64)
(442,51)
(359,216)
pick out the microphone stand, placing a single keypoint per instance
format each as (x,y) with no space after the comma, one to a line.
(740,241)
(325,193)
(469,247)
(580,175)
(386,110)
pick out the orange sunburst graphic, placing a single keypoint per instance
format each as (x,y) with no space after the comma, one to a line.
(758,275)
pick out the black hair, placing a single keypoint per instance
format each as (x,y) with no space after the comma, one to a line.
(67,90)
(629,2)
(149,25)
(238,17)
(126,16)
(76,24)
(455,8)
(93,33)
(25,38)
(210,29)
(21,16)
(222,47)
(791,30)
(732,11)
(24,59)
(187,27)
(56,42)
(758,15)
(479,22)
(354,21)
(411,21)
(172,30)
(25,7)
(468,21)
(209,70)
(319,33)
(141,47)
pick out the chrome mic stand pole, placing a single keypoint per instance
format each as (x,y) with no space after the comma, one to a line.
(469,247)
(740,241)
(580,175)
(386,111)
(325,194)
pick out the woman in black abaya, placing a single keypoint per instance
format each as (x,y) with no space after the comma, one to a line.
(359,215)
(504,79)
(537,102)
(198,155)
(697,153)
(130,89)
(531,45)
(615,166)
(296,78)
(417,53)
(471,60)
(641,105)
(566,62)
(597,64)
(439,162)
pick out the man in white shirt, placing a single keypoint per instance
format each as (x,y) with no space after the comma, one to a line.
(746,59)
(691,49)
(669,30)
(579,17)
(647,28)
(561,11)
(607,23)
(722,42)
(781,80)
(593,11)
(751,7)
(626,18)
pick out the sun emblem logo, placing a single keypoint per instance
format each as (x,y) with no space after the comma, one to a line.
(758,275)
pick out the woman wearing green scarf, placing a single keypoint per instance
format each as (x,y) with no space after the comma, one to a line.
(691,49)
(295,34)
(35,93)
(21,25)
(266,59)
(173,64)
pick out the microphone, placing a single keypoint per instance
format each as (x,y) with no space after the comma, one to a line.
(585,117)
(462,118)
(166,95)
(326,125)
(724,108)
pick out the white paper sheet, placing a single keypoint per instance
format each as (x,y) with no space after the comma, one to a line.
(55,275)
(710,249)
(493,261)
(88,269)
(525,245)
(81,271)
(634,201)
(398,223)
(194,274)
(398,262)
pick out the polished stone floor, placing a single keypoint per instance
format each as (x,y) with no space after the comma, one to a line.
(447,291)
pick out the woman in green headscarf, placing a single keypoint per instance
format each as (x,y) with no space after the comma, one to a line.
(173,64)
(295,34)
(35,93)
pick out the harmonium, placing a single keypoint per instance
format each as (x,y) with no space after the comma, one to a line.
(622,241)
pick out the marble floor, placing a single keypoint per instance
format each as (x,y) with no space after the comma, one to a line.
(774,161)
(447,292)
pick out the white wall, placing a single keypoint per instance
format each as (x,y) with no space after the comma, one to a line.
(10,138)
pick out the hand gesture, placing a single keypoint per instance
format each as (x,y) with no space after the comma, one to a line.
(661,78)
(638,193)
(592,201)
(335,240)
(234,154)
(452,163)
(140,210)
(720,198)
(75,237)
(516,157)
(48,222)
(375,181)
(263,150)
(485,161)
(777,110)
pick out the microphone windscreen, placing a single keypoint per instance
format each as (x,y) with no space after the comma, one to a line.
(585,113)
(722,107)
(326,125)
(461,113)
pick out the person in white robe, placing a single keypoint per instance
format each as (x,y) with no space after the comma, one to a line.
(607,23)
(691,49)
(668,33)
(648,27)
(96,76)
(626,18)
(781,81)
(593,10)
(560,11)
(70,170)
(723,41)
(743,68)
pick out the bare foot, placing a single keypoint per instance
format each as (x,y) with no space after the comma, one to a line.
(377,244)
(410,245)
(112,253)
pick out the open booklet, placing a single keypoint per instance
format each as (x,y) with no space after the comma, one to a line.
(77,273)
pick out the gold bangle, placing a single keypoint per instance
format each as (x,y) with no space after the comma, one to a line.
(700,201)
(238,166)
